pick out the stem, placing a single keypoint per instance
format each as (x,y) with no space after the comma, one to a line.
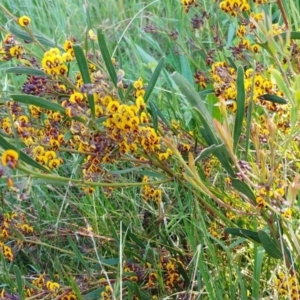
(285,19)
(49,177)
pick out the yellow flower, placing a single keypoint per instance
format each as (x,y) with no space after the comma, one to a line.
(10,158)
(255,48)
(54,163)
(24,21)
(138,84)
(26,228)
(92,35)
(51,286)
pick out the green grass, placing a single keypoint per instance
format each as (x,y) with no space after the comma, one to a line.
(88,243)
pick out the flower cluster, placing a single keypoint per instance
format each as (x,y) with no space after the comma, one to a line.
(187,4)
(233,7)
(49,287)
(287,285)
(256,86)
(125,127)
(148,275)
(9,224)
(150,193)
(11,48)
(53,62)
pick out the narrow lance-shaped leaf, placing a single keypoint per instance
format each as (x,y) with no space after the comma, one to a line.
(43,103)
(274,99)
(186,69)
(26,70)
(108,63)
(84,70)
(154,78)
(240,109)
(269,245)
(158,113)
(38,101)
(19,282)
(23,157)
(249,117)
(106,57)
(25,36)
(249,234)
(191,95)
(258,263)
(154,115)
(209,133)
(294,35)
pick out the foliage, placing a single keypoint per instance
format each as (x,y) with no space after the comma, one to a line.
(143,163)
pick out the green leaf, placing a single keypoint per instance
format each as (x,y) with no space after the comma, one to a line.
(273,98)
(154,78)
(209,133)
(294,35)
(106,57)
(249,234)
(25,70)
(132,286)
(249,118)
(192,96)
(154,115)
(230,34)
(131,236)
(23,157)
(84,70)
(232,64)
(75,288)
(128,91)
(186,69)
(151,174)
(240,110)
(206,92)
(40,37)
(208,151)
(243,188)
(256,279)
(184,274)
(125,171)
(159,113)
(269,245)
(38,101)
(82,63)
(19,282)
